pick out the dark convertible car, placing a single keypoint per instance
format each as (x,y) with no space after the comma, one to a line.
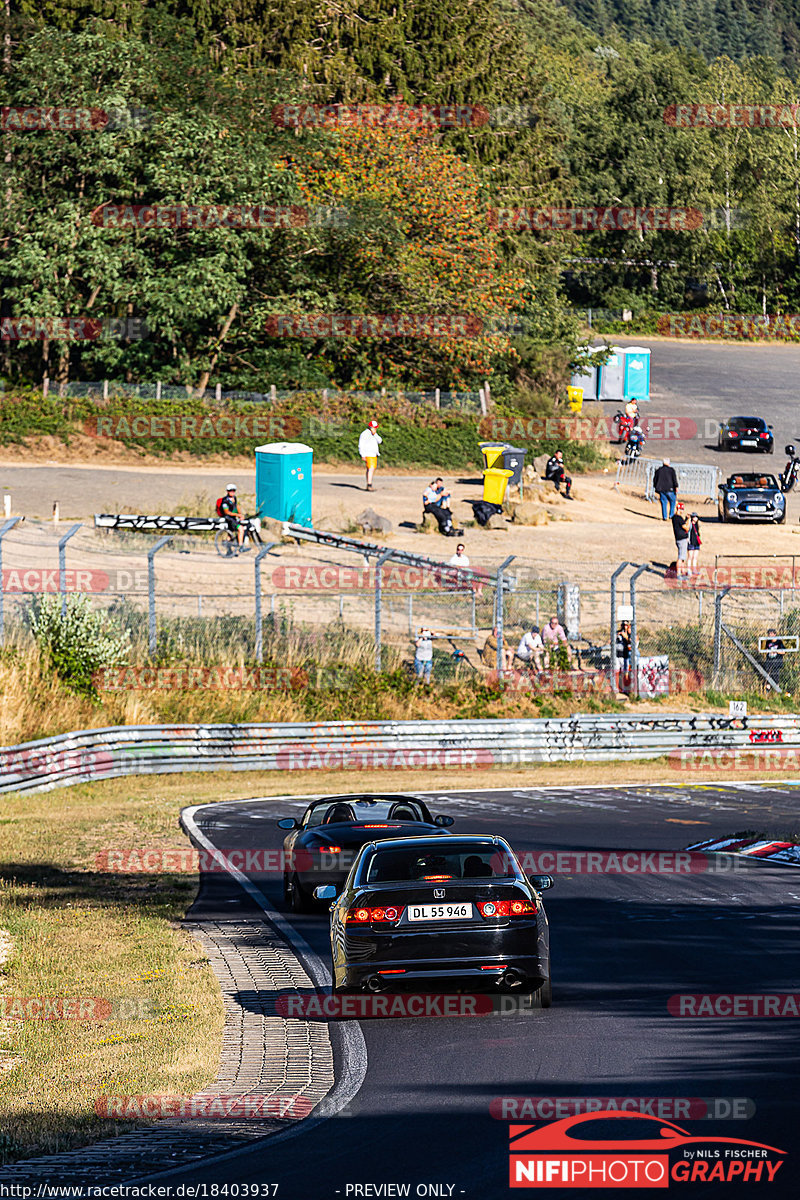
(429,912)
(323,844)
(752,497)
(746,433)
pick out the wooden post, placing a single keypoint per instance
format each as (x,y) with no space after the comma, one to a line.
(105,389)
(45,386)
(158,390)
(218,393)
(437,398)
(273,393)
(484,408)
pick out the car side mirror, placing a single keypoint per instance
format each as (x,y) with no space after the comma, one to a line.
(325,892)
(541,882)
(443,820)
(288,823)
(769,427)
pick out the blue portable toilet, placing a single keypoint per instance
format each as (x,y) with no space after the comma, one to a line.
(283,482)
(637,373)
(586,379)
(612,375)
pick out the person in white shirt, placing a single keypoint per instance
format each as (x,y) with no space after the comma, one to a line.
(531,647)
(368,444)
(459,559)
(436,501)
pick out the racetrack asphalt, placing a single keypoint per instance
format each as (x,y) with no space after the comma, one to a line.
(622,944)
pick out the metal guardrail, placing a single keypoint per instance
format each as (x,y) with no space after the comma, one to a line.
(155,749)
(694,479)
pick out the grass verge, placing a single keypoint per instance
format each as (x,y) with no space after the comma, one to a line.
(71,931)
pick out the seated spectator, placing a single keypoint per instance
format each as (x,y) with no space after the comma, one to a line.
(531,648)
(554,471)
(436,501)
(489,652)
(552,635)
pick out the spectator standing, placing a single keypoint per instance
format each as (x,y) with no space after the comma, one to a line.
(624,652)
(423,654)
(680,527)
(531,647)
(553,635)
(695,542)
(489,652)
(554,471)
(368,448)
(665,482)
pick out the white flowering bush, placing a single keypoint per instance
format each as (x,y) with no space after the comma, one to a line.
(79,642)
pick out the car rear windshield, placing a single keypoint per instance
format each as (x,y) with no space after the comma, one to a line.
(747,423)
(752,481)
(433,864)
(366,811)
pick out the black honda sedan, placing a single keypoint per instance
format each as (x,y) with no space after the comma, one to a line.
(426,912)
(752,497)
(746,433)
(323,844)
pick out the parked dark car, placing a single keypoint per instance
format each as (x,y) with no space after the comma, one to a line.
(425,913)
(323,844)
(746,433)
(752,497)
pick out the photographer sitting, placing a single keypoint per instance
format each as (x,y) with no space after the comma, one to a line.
(554,471)
(436,501)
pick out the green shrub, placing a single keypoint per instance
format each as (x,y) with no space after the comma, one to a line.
(78,642)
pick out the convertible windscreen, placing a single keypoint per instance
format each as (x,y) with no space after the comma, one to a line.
(752,481)
(411,864)
(368,811)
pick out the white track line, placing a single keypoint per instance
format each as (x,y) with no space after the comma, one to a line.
(353,1046)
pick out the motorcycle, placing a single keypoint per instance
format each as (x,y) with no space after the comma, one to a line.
(624,425)
(788,478)
(634,443)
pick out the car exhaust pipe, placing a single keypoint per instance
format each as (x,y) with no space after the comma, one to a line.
(511,978)
(375,983)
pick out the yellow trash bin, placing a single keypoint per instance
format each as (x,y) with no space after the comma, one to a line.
(575,398)
(495,482)
(491,452)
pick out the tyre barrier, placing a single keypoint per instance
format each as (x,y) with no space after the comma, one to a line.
(691,741)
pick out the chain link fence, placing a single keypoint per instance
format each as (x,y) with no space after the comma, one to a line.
(328,607)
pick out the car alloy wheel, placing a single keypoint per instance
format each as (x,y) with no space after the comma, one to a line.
(299,900)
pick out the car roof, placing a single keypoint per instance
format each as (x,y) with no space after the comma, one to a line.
(353,798)
(746,419)
(483,839)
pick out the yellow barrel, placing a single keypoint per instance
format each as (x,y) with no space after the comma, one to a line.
(495,482)
(575,398)
(491,452)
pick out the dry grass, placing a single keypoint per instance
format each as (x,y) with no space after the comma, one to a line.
(76,932)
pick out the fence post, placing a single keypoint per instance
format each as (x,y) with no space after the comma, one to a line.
(62,566)
(151,589)
(501,664)
(9,525)
(718,632)
(259,623)
(378,567)
(634,649)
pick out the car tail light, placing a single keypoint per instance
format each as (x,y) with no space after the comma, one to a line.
(384,826)
(433,878)
(330,849)
(389,915)
(733,433)
(492,967)
(397,971)
(764,435)
(506,908)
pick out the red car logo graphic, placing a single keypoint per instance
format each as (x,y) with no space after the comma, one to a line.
(558,1136)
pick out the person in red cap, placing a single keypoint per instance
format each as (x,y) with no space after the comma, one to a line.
(368,444)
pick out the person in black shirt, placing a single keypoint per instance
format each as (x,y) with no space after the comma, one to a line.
(680,527)
(229,509)
(554,471)
(774,652)
(665,484)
